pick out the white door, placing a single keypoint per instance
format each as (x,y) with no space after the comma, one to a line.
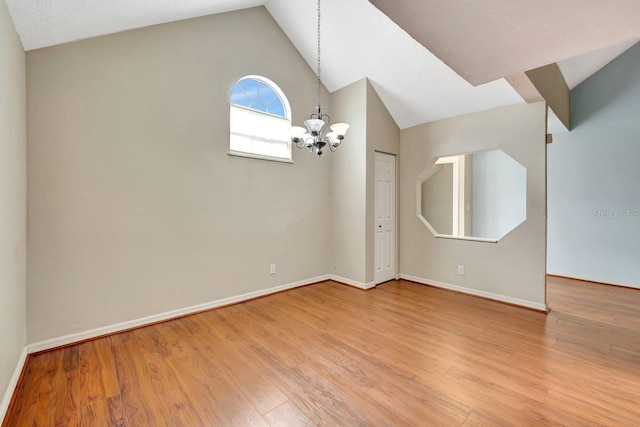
(385,218)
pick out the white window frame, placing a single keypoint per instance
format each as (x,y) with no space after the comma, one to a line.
(252,136)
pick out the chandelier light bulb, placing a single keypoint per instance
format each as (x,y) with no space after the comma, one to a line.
(340,129)
(297,132)
(315,126)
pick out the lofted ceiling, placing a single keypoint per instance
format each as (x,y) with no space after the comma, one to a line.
(359,40)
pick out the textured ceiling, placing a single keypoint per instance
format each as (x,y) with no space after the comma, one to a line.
(484,40)
(358,41)
(43,23)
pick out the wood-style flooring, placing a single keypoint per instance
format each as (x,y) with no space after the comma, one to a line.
(329,354)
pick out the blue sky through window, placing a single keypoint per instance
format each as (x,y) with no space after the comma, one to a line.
(258,96)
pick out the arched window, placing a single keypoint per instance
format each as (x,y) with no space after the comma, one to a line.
(259,120)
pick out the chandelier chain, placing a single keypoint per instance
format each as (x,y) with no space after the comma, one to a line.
(319,132)
(319,69)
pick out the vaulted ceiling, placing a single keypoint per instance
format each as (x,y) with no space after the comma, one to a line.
(489,39)
(413,51)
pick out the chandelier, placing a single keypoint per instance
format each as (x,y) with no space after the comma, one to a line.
(315,137)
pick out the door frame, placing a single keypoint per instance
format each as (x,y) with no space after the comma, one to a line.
(395,219)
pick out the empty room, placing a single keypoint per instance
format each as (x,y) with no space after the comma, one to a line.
(319,212)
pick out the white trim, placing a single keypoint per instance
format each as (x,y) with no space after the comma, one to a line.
(472,239)
(395,217)
(461,194)
(605,281)
(258,156)
(476,292)
(119,327)
(455,218)
(350,282)
(13,383)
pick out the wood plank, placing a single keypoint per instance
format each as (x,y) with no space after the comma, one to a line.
(256,387)
(220,401)
(103,413)
(58,399)
(286,415)
(176,400)
(141,405)
(97,371)
(429,407)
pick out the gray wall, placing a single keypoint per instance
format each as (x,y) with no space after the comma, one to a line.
(512,269)
(594,179)
(13,196)
(135,208)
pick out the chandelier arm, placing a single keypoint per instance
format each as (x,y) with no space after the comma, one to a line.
(328,121)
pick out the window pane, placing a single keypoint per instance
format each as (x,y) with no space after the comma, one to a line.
(238,97)
(258,96)
(258,107)
(276,108)
(250,88)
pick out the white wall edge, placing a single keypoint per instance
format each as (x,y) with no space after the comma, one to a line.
(119,327)
(13,383)
(350,282)
(476,292)
(603,280)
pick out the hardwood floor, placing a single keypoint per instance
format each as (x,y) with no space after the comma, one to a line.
(328,354)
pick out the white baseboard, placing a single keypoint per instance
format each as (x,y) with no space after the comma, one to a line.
(603,280)
(350,282)
(476,292)
(119,327)
(13,383)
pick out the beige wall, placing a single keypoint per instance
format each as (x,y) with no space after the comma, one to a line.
(512,269)
(545,84)
(437,199)
(550,82)
(135,208)
(348,184)
(13,180)
(353,178)
(383,135)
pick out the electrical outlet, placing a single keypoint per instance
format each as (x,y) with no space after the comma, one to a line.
(272,269)
(461,270)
